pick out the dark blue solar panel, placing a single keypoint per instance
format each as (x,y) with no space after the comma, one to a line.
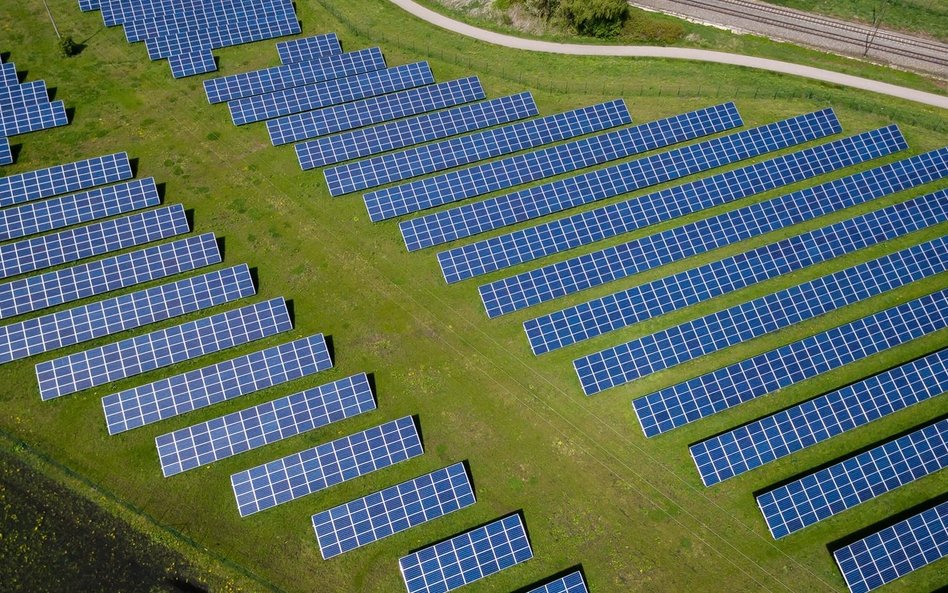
(6,154)
(308,48)
(520,169)
(21,119)
(88,5)
(204,15)
(804,425)
(393,510)
(117,12)
(186,64)
(8,75)
(316,469)
(261,425)
(104,318)
(224,36)
(641,357)
(333,92)
(479,217)
(895,551)
(216,383)
(759,375)
(387,168)
(28,93)
(587,227)
(571,583)
(161,348)
(639,303)
(62,179)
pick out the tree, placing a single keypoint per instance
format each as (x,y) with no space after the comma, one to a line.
(594,18)
(543,8)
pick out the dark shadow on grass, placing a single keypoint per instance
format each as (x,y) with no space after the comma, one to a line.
(189,216)
(186,586)
(70,114)
(220,247)
(162,189)
(4,56)
(372,386)
(254,274)
(291,311)
(51,92)
(551,578)
(330,347)
(887,522)
(133,165)
(15,150)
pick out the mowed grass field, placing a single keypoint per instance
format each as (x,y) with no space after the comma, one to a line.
(592,489)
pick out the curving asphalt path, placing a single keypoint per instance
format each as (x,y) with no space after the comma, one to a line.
(675,53)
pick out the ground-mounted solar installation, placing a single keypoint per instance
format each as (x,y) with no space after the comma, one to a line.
(217,37)
(88,5)
(895,551)
(121,313)
(6,153)
(752,445)
(8,76)
(226,380)
(571,583)
(203,15)
(34,293)
(365,112)
(333,92)
(478,217)
(192,63)
(395,509)
(62,179)
(548,162)
(24,94)
(30,118)
(467,557)
(412,162)
(636,304)
(161,348)
(308,48)
(264,424)
(312,470)
(120,12)
(759,375)
(855,480)
(521,246)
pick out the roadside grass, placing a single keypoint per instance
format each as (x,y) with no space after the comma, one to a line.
(593,490)
(928,18)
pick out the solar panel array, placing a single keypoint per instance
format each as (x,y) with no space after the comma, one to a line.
(25,108)
(192,63)
(312,470)
(571,583)
(267,423)
(667,348)
(814,421)
(308,48)
(271,26)
(202,15)
(857,479)
(467,557)
(226,380)
(587,227)
(368,519)
(388,168)
(61,179)
(24,94)
(479,217)
(759,375)
(161,348)
(621,309)
(895,551)
(6,153)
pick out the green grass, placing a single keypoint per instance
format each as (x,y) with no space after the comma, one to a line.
(592,489)
(928,18)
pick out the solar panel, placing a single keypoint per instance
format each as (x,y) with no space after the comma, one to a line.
(28,93)
(307,48)
(555,160)
(814,421)
(621,309)
(857,479)
(203,15)
(120,12)
(357,114)
(661,350)
(261,425)
(571,583)
(8,76)
(895,551)
(30,118)
(257,82)
(104,318)
(467,557)
(216,383)
(368,519)
(88,5)
(312,470)
(759,375)
(412,162)
(555,196)
(583,228)
(101,276)
(161,348)
(186,64)
(222,36)
(6,154)
(39,217)
(61,179)
(332,92)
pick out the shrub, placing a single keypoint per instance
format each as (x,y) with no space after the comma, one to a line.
(68,46)
(645,28)
(594,18)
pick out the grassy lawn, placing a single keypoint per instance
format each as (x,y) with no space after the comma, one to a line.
(928,18)
(593,490)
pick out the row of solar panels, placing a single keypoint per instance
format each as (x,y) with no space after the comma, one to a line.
(24,107)
(186,31)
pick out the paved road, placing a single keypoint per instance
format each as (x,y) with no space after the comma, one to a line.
(675,53)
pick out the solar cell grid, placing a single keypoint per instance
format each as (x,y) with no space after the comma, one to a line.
(21,119)
(312,470)
(120,12)
(224,36)
(814,421)
(61,179)
(307,48)
(759,375)
(392,510)
(587,227)
(121,313)
(855,480)
(417,161)
(203,15)
(332,92)
(192,63)
(8,76)
(670,293)
(895,551)
(641,357)
(88,5)
(467,557)
(23,94)
(6,154)
(571,583)
(555,196)
(98,277)
(261,425)
(203,387)
(161,348)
